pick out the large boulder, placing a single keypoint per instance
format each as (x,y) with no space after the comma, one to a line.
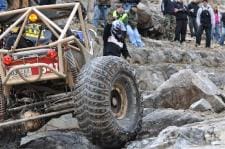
(202,135)
(159,119)
(201,105)
(183,89)
(150,20)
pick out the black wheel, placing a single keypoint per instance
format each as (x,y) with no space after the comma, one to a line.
(9,137)
(108,105)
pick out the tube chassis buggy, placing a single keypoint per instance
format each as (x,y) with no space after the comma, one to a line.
(43,80)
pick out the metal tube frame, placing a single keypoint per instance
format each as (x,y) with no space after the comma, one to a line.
(56,30)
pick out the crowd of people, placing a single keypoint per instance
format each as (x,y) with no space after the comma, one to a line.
(201,17)
(119,19)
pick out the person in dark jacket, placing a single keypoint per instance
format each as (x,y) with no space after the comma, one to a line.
(128,4)
(205,21)
(101,10)
(223,29)
(116,45)
(181,21)
(193,9)
(169,23)
(107,29)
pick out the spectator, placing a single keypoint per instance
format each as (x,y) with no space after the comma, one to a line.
(216,29)
(128,4)
(223,29)
(132,31)
(169,24)
(47,2)
(116,45)
(205,21)
(3,5)
(101,10)
(120,14)
(193,9)
(181,21)
(107,29)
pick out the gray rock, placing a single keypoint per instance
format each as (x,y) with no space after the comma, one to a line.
(207,134)
(201,105)
(149,20)
(62,123)
(216,102)
(178,138)
(160,59)
(139,144)
(183,89)
(159,119)
(148,111)
(59,140)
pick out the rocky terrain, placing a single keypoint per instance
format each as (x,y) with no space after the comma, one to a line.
(184,98)
(183,90)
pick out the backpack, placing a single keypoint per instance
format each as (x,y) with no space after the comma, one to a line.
(205,18)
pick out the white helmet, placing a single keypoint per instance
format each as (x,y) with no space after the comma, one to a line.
(118,30)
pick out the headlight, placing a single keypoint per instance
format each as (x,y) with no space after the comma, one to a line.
(33,17)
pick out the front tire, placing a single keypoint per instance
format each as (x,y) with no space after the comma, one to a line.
(108,105)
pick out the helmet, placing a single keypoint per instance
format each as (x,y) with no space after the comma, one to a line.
(118,30)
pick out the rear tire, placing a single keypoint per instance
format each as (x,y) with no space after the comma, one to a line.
(9,137)
(108,105)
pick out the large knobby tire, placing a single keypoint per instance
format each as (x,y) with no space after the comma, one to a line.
(108,105)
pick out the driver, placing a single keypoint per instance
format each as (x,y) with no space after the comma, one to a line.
(35,31)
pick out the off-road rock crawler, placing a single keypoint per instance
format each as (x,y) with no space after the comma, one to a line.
(48,69)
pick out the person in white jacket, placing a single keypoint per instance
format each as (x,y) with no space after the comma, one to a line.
(205,21)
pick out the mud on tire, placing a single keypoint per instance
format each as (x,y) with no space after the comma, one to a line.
(108,105)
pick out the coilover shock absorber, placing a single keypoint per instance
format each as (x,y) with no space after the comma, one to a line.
(72,65)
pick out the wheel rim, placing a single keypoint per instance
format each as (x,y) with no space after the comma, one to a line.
(124,101)
(119,101)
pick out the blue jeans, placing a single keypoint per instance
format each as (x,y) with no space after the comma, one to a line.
(134,36)
(127,6)
(3,5)
(222,36)
(100,11)
(216,33)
